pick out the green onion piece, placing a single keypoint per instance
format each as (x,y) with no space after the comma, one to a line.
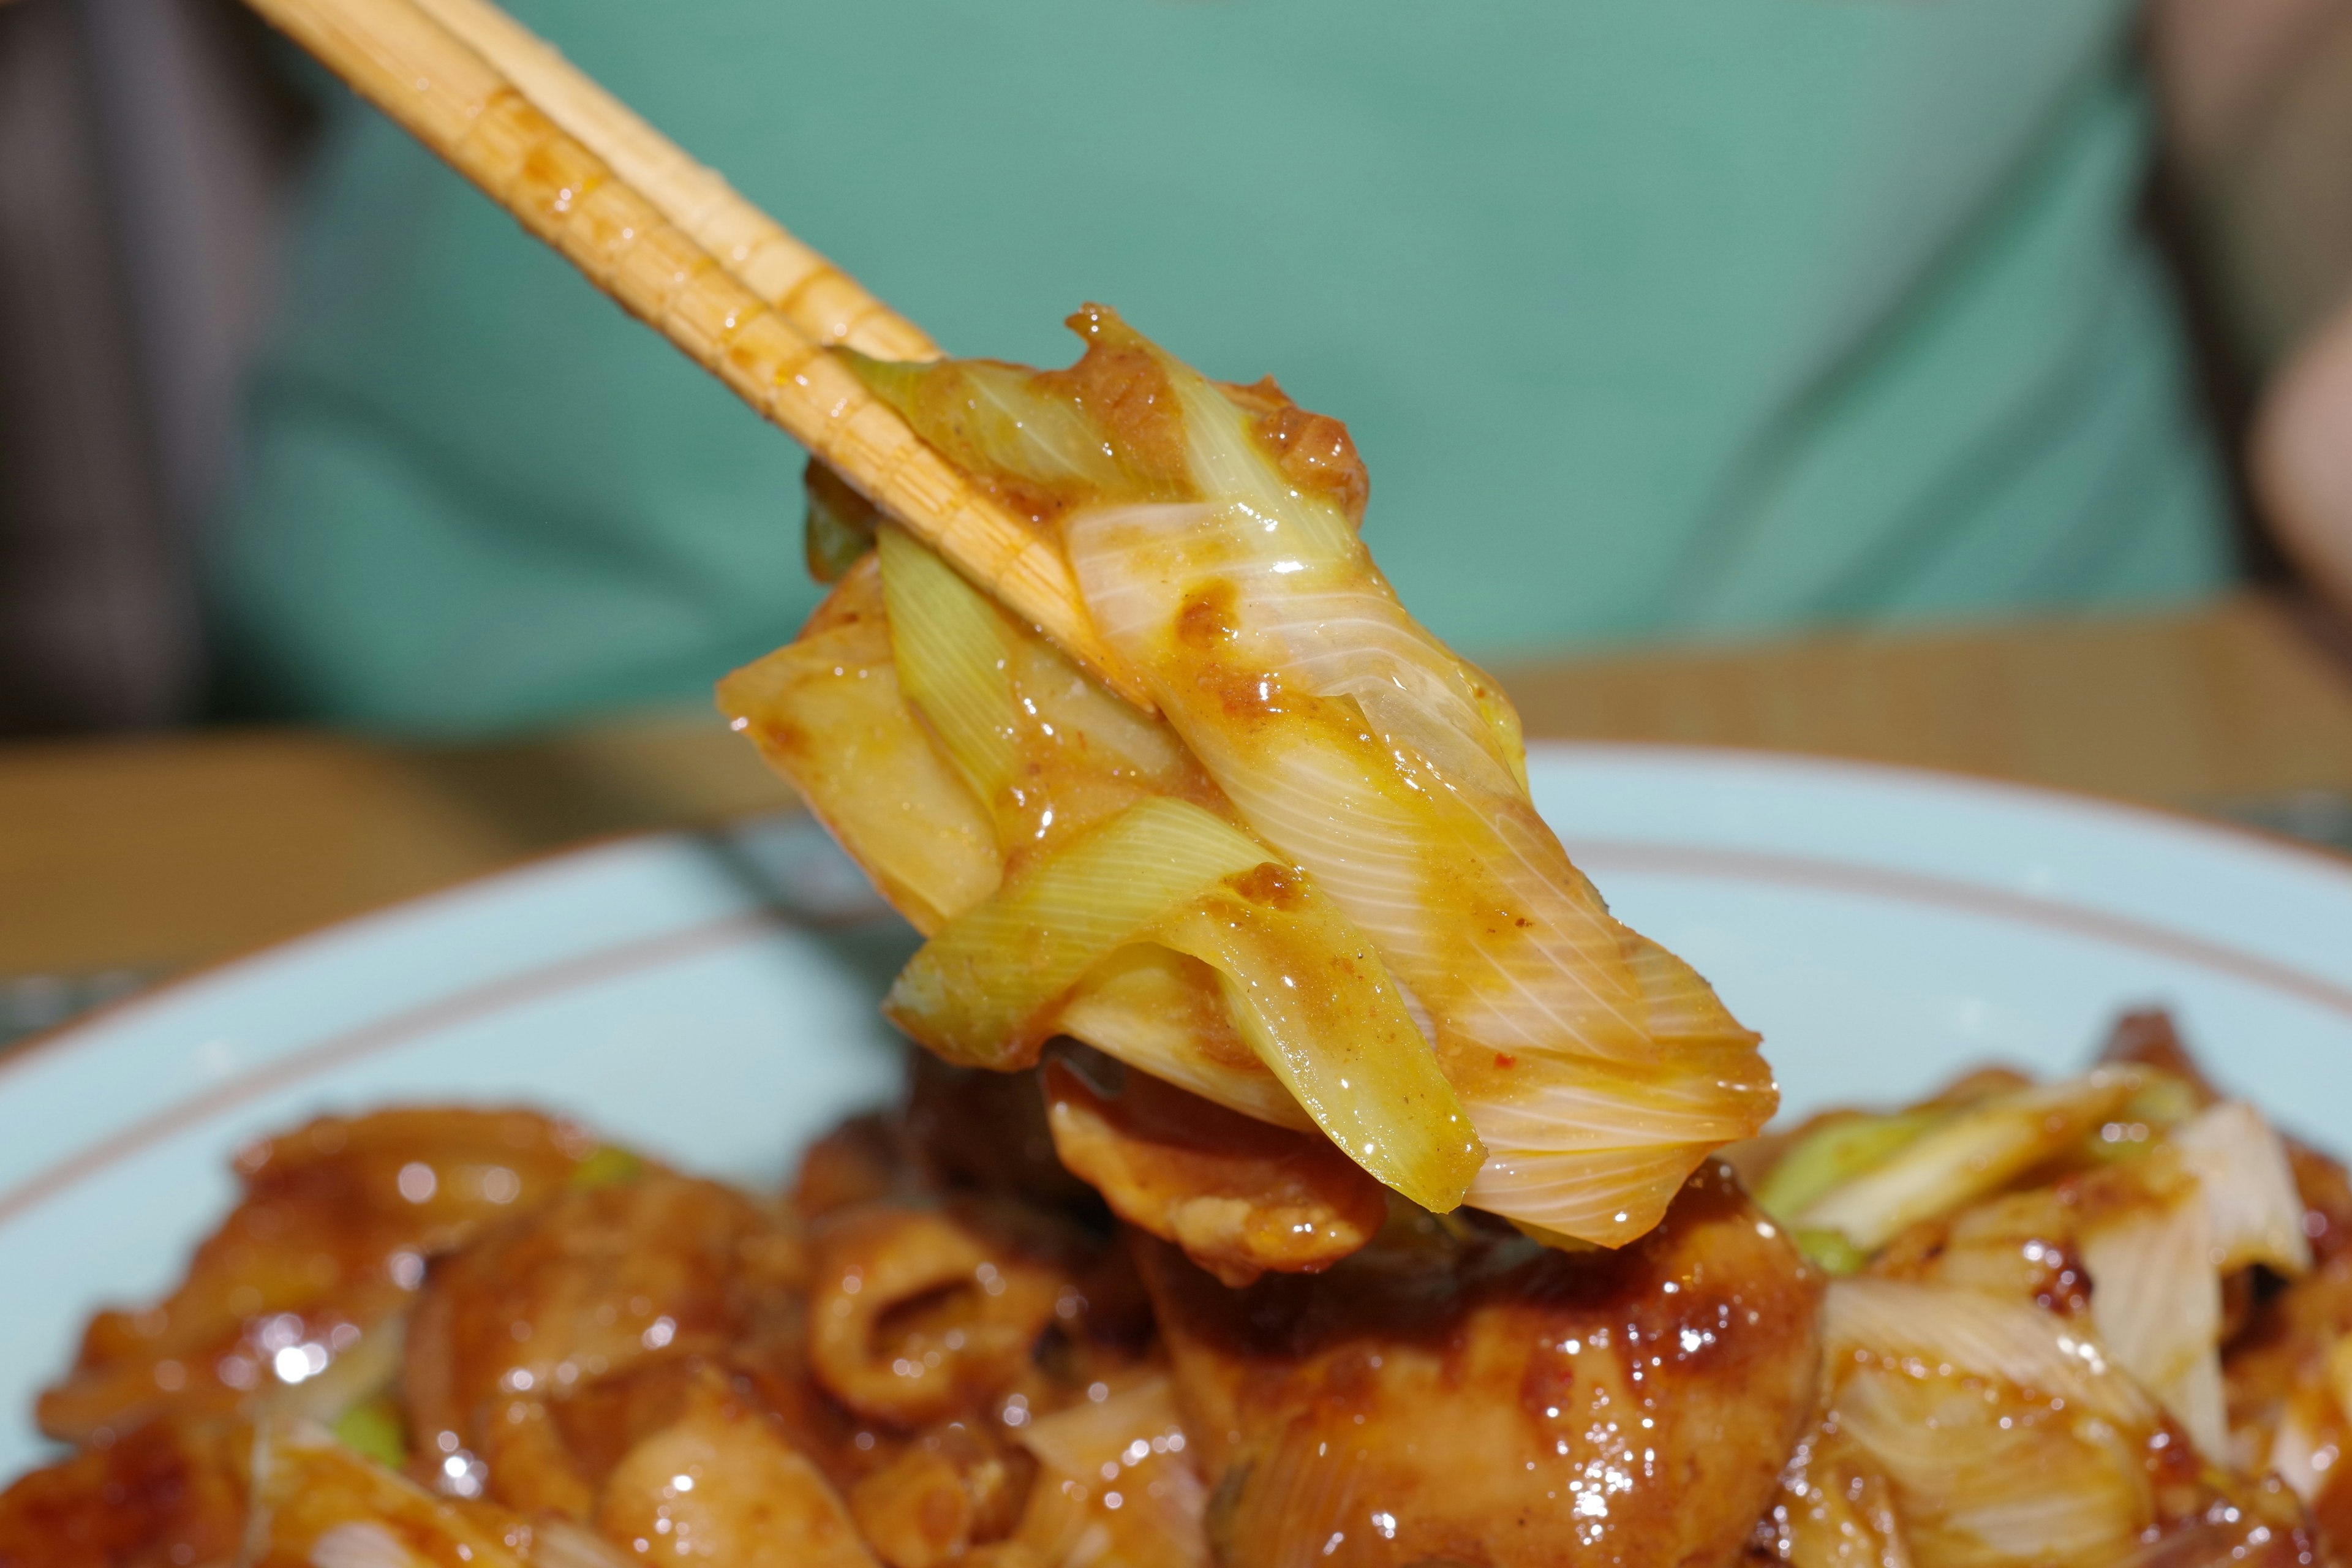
(1000,422)
(607,1166)
(840,526)
(375,1428)
(1304,987)
(1835,1154)
(1966,1154)
(1830,1252)
(950,647)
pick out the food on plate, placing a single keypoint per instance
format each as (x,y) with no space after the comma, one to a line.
(936,1347)
(437,1335)
(2062,1323)
(1311,887)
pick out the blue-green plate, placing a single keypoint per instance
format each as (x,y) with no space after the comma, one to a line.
(711,997)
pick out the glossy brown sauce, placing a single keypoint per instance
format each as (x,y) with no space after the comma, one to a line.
(1468,1396)
(863,1360)
(1314,451)
(330,1239)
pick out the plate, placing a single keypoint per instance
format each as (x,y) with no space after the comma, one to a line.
(710,997)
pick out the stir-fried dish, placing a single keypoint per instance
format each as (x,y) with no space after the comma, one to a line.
(2100,1320)
(1311,889)
(1305,1167)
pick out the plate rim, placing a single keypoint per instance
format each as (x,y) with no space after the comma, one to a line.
(43,1043)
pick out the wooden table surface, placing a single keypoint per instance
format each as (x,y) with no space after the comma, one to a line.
(122,859)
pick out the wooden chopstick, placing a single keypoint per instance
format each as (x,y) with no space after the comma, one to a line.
(484,123)
(827,304)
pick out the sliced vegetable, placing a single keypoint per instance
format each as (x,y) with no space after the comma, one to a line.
(374,1427)
(607,1165)
(1004,424)
(1974,1150)
(1164,1013)
(827,713)
(1830,1252)
(2009,1438)
(1116,1486)
(840,522)
(1834,1154)
(1976,1335)
(1315,1002)
(316,1501)
(2156,1298)
(1308,993)
(949,643)
(2249,1191)
(1214,529)
(1354,743)
(982,992)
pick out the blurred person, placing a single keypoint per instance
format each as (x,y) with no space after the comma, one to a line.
(1653,318)
(2258,98)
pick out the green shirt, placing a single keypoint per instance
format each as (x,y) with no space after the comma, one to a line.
(1651,316)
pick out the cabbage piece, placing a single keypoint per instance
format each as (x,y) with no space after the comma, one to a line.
(2012,1438)
(2215,1195)
(1598,1070)
(827,713)
(1306,992)
(2008,1436)
(1969,1153)
(2249,1191)
(2156,1298)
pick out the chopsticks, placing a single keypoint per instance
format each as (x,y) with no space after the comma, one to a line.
(823,302)
(673,245)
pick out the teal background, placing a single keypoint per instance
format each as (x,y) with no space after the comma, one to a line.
(1653,318)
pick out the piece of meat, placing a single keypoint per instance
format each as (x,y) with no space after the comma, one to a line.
(865,1160)
(921,1313)
(1459,1395)
(601,1285)
(962,1130)
(330,1240)
(970,1130)
(2150,1038)
(1239,1196)
(722,1484)
(959,1484)
(163,1495)
(317,1504)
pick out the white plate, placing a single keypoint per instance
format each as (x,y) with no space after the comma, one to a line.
(710,998)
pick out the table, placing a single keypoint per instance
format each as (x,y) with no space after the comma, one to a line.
(126,859)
